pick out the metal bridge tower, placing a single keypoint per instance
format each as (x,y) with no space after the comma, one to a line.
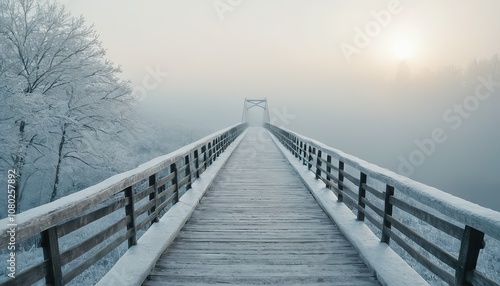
(250,103)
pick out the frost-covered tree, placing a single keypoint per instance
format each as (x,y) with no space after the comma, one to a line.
(59,95)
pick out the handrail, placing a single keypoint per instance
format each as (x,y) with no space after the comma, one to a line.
(359,184)
(143,194)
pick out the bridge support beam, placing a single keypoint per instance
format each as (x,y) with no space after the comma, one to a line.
(251,103)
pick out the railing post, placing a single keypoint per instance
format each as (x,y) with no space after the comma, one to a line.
(50,244)
(152,196)
(300,150)
(295,147)
(340,196)
(318,165)
(187,172)
(197,163)
(175,180)
(361,196)
(218,146)
(205,157)
(328,168)
(472,243)
(223,142)
(304,151)
(214,150)
(389,192)
(130,211)
(309,158)
(209,159)
(287,142)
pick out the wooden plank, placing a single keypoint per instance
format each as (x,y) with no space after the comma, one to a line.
(478,279)
(82,266)
(373,207)
(329,164)
(429,246)
(144,193)
(350,177)
(151,217)
(166,179)
(431,219)
(144,208)
(259,224)
(166,202)
(82,247)
(373,220)
(81,221)
(185,181)
(420,258)
(290,280)
(28,276)
(373,191)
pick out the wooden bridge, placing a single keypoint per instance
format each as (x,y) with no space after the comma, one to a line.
(258,206)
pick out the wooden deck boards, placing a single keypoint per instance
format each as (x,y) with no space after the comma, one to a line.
(258,224)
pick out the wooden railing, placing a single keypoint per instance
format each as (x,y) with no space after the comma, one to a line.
(127,203)
(404,211)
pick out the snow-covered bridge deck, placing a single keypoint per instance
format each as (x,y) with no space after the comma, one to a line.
(259,224)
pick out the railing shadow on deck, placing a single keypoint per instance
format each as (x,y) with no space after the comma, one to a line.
(390,202)
(127,203)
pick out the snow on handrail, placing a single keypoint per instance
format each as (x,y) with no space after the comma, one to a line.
(37,219)
(463,211)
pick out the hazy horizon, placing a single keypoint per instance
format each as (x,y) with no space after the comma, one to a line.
(372,100)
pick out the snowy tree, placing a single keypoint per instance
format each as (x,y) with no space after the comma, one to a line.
(60,96)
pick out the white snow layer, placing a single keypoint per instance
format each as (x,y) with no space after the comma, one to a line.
(463,211)
(388,266)
(136,264)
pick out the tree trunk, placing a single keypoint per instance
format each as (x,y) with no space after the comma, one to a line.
(19,161)
(57,176)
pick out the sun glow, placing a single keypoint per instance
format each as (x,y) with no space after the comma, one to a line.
(404,49)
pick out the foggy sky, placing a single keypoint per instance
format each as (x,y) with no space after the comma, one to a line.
(290,53)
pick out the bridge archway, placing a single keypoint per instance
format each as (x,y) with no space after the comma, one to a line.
(248,117)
